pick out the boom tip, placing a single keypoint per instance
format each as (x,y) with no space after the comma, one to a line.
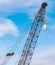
(44,5)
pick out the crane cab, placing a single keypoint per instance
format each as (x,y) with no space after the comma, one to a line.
(10,54)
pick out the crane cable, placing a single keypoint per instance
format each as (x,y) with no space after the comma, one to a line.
(20,38)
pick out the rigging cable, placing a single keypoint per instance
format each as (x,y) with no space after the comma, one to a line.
(20,38)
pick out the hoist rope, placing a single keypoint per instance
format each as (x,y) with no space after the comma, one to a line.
(20,38)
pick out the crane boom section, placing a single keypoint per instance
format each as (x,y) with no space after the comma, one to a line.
(31,41)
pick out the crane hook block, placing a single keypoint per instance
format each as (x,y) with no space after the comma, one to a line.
(9,54)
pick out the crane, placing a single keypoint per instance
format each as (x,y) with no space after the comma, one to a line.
(32,38)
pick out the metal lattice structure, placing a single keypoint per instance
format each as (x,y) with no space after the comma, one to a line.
(31,41)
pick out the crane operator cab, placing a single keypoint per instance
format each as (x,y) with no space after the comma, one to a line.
(10,54)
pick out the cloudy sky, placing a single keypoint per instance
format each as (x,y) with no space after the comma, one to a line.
(14,16)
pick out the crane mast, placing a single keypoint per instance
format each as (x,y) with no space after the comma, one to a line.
(32,38)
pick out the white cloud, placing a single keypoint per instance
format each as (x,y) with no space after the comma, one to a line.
(8,27)
(47,57)
(8,7)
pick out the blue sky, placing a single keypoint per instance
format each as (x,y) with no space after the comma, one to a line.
(14,16)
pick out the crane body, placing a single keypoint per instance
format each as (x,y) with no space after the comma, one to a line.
(32,38)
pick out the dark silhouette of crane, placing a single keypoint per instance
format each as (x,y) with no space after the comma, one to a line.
(31,41)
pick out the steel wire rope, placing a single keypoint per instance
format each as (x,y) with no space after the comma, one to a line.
(20,54)
(20,38)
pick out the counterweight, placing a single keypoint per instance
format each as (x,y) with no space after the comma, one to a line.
(31,41)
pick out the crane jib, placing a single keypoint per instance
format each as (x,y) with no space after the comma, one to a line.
(32,38)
